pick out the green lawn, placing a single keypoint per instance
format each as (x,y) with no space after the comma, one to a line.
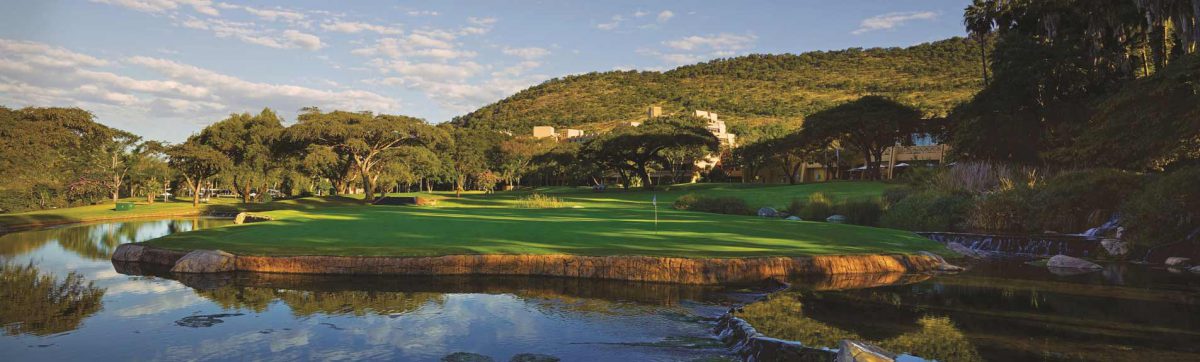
(608,223)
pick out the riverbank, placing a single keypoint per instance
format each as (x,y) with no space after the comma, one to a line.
(630,268)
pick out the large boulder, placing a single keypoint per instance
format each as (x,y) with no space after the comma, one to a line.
(245,217)
(1195,269)
(768,212)
(858,351)
(794,218)
(1115,247)
(836,219)
(128,252)
(1068,262)
(206,261)
(1178,262)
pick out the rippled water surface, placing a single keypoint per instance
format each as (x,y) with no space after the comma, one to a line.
(62,299)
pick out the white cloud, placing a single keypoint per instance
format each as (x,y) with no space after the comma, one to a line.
(723,41)
(616,21)
(526,53)
(302,40)
(892,20)
(276,14)
(356,27)
(665,15)
(484,21)
(639,13)
(161,6)
(171,91)
(422,13)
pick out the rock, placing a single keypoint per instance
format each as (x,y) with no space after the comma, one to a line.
(794,218)
(857,351)
(1067,262)
(1178,261)
(534,357)
(768,212)
(466,357)
(943,265)
(1195,269)
(206,261)
(836,219)
(128,252)
(964,251)
(245,217)
(1115,247)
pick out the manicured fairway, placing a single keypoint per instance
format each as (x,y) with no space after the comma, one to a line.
(609,223)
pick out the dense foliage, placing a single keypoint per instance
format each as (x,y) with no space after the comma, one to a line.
(747,91)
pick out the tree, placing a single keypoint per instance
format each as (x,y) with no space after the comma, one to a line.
(249,142)
(514,156)
(148,171)
(871,124)
(636,148)
(196,162)
(466,154)
(365,139)
(978,19)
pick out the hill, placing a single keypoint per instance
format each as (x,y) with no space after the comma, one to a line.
(747,90)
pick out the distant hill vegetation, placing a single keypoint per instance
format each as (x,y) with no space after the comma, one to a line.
(748,90)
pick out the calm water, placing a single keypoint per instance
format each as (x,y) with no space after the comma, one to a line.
(63,300)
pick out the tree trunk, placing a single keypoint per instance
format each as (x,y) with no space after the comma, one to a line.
(195,192)
(983,57)
(368,188)
(645,176)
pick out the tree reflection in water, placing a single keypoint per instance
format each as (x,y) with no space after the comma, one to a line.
(39,304)
(782,316)
(306,303)
(98,241)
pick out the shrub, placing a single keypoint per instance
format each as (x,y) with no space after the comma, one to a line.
(927,211)
(720,205)
(538,201)
(892,195)
(861,212)
(816,208)
(1004,210)
(1167,210)
(1075,201)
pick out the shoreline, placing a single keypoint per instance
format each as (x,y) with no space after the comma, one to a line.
(700,271)
(11,228)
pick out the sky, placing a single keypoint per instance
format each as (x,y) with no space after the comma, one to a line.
(164,69)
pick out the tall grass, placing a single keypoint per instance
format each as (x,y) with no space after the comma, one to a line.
(540,201)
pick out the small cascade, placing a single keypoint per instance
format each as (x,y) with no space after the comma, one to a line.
(1110,228)
(1021,245)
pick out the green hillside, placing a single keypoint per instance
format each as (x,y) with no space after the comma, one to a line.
(746,90)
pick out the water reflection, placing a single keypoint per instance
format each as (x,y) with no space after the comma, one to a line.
(41,304)
(98,241)
(1003,312)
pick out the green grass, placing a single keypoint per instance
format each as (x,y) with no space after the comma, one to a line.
(608,223)
(158,209)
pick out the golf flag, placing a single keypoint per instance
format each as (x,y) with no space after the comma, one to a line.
(654,200)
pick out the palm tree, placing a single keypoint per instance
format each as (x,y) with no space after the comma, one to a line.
(978,17)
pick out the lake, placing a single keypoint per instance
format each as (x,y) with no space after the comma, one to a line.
(64,300)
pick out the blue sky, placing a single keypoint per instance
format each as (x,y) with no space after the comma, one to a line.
(166,68)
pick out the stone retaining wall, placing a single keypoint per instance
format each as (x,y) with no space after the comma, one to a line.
(633,268)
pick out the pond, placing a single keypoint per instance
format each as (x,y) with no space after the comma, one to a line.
(62,299)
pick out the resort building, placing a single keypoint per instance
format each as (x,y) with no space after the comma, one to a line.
(569,134)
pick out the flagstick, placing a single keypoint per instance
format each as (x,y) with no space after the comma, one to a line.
(655,214)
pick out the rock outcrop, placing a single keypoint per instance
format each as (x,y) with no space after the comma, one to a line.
(206,261)
(1067,262)
(1178,262)
(1115,247)
(128,253)
(245,217)
(768,212)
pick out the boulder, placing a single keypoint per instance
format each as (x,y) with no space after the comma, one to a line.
(794,218)
(1178,261)
(964,250)
(768,212)
(836,219)
(245,217)
(128,252)
(1195,269)
(534,357)
(1067,262)
(1115,247)
(942,264)
(858,351)
(206,261)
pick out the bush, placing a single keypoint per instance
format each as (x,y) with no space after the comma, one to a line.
(1075,201)
(720,205)
(816,208)
(892,195)
(1005,210)
(535,201)
(927,211)
(1168,210)
(861,212)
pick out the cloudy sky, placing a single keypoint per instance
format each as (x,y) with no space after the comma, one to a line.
(166,68)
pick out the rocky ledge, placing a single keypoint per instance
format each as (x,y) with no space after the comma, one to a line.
(633,268)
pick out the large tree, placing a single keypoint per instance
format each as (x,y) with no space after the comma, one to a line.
(641,147)
(466,154)
(366,140)
(148,170)
(871,124)
(197,163)
(249,141)
(515,155)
